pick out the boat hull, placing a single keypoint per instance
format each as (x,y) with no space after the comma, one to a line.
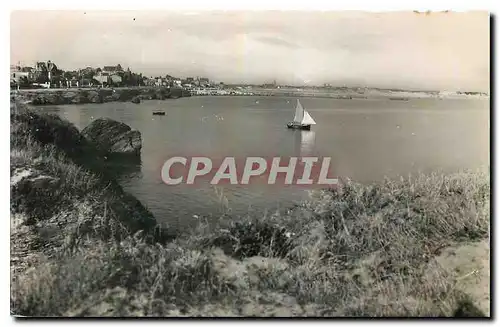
(298,126)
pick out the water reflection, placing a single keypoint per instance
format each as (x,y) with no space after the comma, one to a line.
(448,135)
(304,142)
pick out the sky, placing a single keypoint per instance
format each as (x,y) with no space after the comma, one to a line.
(436,51)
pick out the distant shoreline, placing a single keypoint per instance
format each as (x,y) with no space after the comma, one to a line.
(356,93)
(102,95)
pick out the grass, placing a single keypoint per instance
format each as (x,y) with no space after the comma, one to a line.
(359,250)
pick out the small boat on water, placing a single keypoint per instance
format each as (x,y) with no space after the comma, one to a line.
(159,113)
(302,118)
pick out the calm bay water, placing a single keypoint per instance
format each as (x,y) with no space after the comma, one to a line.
(366,139)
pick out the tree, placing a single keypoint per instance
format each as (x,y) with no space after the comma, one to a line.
(88,73)
(128,78)
(41,77)
(23,81)
(56,79)
(68,75)
(51,67)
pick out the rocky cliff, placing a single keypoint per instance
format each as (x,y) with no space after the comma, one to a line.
(79,96)
(62,196)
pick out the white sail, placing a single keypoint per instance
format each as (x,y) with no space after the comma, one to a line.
(299,113)
(307,119)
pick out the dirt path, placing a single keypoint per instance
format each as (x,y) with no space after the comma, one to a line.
(470,264)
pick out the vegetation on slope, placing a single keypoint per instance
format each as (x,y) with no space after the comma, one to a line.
(359,250)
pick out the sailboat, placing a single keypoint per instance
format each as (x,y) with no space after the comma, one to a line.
(302,119)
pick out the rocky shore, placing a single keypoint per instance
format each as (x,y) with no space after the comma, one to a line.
(81,246)
(61,190)
(96,95)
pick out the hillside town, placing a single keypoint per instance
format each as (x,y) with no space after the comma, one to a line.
(48,75)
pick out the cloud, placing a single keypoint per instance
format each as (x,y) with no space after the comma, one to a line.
(277,42)
(437,51)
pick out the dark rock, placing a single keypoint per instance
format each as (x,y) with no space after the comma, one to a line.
(136,99)
(113,137)
(94,97)
(78,98)
(109,98)
(117,97)
(468,309)
(40,100)
(243,240)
